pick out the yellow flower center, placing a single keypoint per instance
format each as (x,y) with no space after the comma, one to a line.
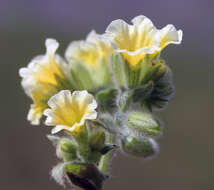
(90,57)
(69,113)
(47,72)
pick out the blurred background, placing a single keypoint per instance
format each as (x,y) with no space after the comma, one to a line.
(186,157)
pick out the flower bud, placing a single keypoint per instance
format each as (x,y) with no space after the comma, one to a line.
(144,124)
(143,92)
(84,176)
(162,69)
(66,150)
(141,147)
(163,90)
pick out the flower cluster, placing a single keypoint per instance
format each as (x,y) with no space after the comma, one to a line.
(101,96)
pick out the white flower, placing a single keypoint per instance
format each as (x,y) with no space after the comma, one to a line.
(135,41)
(90,51)
(70,111)
(40,79)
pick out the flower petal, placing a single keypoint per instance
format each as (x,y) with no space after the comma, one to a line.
(169,35)
(34,115)
(134,41)
(89,52)
(70,110)
(51,45)
(57,129)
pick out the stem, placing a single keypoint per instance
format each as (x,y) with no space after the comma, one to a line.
(105,160)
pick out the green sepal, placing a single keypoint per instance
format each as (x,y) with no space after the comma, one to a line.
(81,135)
(107,99)
(144,71)
(133,73)
(136,94)
(97,140)
(162,69)
(144,124)
(81,76)
(149,69)
(97,146)
(140,147)
(101,75)
(125,99)
(142,92)
(117,64)
(66,149)
(163,91)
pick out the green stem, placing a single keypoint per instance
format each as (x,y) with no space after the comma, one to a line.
(106,159)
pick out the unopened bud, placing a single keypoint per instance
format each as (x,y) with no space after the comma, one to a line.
(66,150)
(144,124)
(142,147)
(143,92)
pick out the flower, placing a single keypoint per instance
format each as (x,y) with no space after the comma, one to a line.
(70,111)
(91,51)
(142,38)
(89,62)
(42,78)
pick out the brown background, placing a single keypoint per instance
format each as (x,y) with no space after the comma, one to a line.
(186,157)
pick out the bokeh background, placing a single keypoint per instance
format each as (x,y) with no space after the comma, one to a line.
(187,147)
